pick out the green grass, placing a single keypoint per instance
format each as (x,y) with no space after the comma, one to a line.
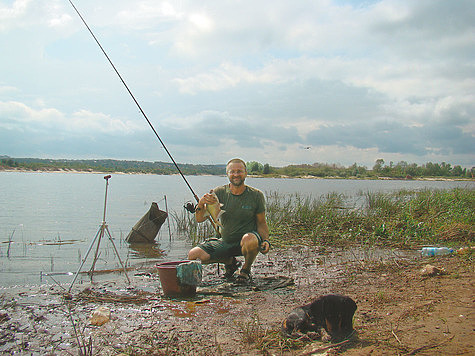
(254,332)
(403,218)
(186,224)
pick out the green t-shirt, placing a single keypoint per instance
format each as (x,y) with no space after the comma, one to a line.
(240,211)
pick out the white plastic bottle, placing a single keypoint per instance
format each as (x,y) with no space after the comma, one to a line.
(436,251)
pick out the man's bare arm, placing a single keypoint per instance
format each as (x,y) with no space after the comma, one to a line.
(262,228)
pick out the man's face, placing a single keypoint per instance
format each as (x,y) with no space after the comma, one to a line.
(236,173)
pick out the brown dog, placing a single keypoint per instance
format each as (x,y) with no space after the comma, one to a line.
(333,312)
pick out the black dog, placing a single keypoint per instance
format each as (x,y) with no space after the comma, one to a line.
(333,312)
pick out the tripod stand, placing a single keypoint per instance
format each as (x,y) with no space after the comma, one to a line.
(99,235)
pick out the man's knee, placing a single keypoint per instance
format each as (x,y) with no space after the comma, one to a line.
(250,242)
(197,253)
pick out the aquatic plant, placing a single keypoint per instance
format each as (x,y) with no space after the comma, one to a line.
(400,218)
(403,218)
(185,224)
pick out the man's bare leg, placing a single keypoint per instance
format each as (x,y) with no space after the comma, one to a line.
(249,249)
(197,253)
(230,263)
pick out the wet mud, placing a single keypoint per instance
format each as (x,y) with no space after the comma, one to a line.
(400,309)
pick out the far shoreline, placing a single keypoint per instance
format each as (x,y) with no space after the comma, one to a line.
(74,171)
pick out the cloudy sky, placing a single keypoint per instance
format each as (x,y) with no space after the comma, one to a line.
(275,81)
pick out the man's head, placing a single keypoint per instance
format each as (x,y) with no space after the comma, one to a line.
(236,171)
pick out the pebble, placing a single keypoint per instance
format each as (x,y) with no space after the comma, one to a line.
(431,271)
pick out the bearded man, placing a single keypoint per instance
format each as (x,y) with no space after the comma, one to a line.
(244,228)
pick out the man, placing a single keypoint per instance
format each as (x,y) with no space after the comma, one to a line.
(244,231)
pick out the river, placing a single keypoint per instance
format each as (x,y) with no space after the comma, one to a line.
(49,220)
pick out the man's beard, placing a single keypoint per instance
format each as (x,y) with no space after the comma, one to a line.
(237,182)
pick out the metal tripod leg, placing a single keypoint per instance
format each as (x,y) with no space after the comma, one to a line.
(98,237)
(84,259)
(116,252)
(96,254)
(100,234)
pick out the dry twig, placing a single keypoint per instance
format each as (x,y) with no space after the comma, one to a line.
(425,347)
(323,348)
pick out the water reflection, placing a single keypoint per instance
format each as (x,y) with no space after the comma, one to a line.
(144,250)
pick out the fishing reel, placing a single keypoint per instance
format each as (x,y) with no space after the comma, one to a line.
(190,207)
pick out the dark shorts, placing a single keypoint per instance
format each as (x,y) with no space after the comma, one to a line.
(219,249)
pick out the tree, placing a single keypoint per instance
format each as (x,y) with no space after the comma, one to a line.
(254,167)
(457,171)
(378,165)
(432,169)
(445,169)
(266,169)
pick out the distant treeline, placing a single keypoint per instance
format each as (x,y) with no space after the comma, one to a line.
(108,166)
(400,170)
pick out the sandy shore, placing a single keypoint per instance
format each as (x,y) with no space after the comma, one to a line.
(250,175)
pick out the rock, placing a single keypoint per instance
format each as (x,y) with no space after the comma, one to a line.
(430,271)
(100,316)
(466,250)
(4,317)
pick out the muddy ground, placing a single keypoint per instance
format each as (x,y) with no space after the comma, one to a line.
(400,311)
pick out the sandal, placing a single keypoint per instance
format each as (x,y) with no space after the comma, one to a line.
(244,276)
(231,268)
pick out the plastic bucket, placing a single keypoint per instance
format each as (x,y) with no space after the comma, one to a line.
(169,280)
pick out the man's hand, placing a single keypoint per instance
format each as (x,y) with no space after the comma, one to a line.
(263,231)
(207,199)
(201,207)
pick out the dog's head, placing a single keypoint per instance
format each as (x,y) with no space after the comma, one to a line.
(298,320)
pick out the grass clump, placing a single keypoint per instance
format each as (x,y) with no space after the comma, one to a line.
(253,332)
(186,224)
(402,218)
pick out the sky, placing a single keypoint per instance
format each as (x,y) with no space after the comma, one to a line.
(275,81)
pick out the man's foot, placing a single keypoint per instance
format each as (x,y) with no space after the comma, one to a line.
(243,277)
(231,268)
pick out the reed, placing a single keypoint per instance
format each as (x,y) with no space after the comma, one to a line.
(404,217)
(10,240)
(84,344)
(185,224)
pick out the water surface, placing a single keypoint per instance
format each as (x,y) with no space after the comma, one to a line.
(51,219)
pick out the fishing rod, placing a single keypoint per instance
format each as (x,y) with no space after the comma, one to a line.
(135,100)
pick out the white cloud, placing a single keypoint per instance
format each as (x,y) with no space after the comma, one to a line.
(227,75)
(19,116)
(201,22)
(148,14)
(6,89)
(10,14)
(274,73)
(60,21)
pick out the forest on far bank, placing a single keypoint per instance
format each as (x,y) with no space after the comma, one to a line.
(400,170)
